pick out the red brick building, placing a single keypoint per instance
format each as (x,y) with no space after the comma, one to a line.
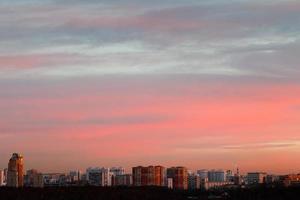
(148,176)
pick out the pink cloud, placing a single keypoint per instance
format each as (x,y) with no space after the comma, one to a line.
(165,127)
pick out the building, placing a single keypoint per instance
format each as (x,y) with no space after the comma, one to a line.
(33,179)
(1,177)
(179,176)
(206,184)
(194,181)
(292,179)
(119,178)
(148,176)
(106,177)
(15,171)
(170,183)
(270,179)
(122,180)
(256,178)
(51,179)
(117,171)
(203,173)
(99,176)
(94,176)
(75,176)
(216,175)
(229,176)
(5,176)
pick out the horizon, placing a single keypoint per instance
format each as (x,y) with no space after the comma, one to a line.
(129,170)
(209,84)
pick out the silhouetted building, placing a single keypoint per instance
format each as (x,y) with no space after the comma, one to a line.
(51,179)
(216,175)
(117,171)
(206,184)
(75,176)
(148,176)
(99,176)
(256,178)
(194,181)
(203,173)
(122,180)
(291,179)
(15,173)
(179,176)
(33,179)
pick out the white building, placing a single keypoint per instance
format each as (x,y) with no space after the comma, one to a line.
(170,183)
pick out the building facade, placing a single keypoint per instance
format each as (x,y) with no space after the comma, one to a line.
(194,181)
(15,171)
(75,176)
(33,179)
(122,180)
(216,175)
(99,176)
(179,175)
(256,178)
(203,173)
(148,176)
(1,177)
(117,171)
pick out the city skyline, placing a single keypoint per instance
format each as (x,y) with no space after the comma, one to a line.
(235,170)
(209,84)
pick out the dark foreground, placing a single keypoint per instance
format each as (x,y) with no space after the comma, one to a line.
(150,193)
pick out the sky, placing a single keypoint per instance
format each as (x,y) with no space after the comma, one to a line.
(200,83)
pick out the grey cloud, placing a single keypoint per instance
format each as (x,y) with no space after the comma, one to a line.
(203,38)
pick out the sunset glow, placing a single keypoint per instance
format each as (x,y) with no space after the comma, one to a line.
(207,84)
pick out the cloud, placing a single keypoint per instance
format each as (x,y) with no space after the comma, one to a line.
(222,38)
(270,145)
(162,80)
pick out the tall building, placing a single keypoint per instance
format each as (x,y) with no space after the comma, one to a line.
(75,176)
(229,176)
(15,171)
(1,177)
(179,176)
(99,176)
(194,181)
(256,178)
(5,176)
(94,176)
(33,179)
(148,176)
(217,175)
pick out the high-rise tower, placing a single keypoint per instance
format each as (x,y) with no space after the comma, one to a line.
(15,171)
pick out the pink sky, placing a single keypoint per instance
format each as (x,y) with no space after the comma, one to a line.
(205,84)
(76,124)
